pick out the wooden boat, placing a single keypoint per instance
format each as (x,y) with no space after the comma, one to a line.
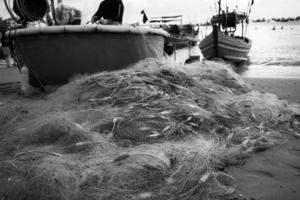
(181,35)
(234,49)
(222,42)
(53,54)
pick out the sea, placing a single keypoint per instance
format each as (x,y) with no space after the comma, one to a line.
(275,52)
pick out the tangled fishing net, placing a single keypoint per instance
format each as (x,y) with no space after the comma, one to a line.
(152,131)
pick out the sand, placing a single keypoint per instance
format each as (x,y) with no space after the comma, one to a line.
(8,75)
(285,88)
(273,174)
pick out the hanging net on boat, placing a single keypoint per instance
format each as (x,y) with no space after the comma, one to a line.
(152,131)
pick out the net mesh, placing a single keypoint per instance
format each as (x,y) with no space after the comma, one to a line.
(152,131)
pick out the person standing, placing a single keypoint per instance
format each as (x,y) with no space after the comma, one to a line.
(109,12)
(5,53)
(67,15)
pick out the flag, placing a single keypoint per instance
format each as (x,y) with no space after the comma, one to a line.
(145,18)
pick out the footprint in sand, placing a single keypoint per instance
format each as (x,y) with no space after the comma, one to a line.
(262,173)
(294,151)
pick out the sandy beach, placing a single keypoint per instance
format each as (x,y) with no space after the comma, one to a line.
(267,175)
(285,88)
(271,175)
(8,75)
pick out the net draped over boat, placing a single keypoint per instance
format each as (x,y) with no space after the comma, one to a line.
(152,131)
(55,54)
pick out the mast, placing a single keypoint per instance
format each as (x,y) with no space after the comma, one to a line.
(219,14)
(243,28)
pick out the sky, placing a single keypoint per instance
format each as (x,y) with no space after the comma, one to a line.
(193,11)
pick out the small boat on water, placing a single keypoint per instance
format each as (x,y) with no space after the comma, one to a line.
(223,42)
(54,54)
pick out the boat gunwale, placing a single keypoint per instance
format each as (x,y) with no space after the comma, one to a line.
(121,29)
(227,47)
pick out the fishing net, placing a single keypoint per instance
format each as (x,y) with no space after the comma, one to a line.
(153,131)
(9,114)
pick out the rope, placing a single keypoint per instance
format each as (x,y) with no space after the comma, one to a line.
(39,152)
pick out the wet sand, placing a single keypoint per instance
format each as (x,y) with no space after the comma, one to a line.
(273,174)
(285,88)
(9,75)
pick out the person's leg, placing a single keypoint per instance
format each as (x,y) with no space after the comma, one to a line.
(6,53)
(8,62)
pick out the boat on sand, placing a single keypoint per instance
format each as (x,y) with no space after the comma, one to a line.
(234,49)
(223,42)
(54,54)
(181,35)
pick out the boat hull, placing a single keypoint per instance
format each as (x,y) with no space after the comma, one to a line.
(232,49)
(182,42)
(55,54)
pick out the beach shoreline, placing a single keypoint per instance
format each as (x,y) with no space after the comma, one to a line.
(285,88)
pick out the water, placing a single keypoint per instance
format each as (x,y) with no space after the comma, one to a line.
(275,47)
(275,53)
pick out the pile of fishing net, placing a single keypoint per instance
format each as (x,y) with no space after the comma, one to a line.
(152,131)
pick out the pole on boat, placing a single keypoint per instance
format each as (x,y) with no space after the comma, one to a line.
(219,15)
(174,51)
(216,40)
(216,29)
(243,28)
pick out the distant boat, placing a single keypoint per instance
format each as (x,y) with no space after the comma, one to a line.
(222,42)
(181,35)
